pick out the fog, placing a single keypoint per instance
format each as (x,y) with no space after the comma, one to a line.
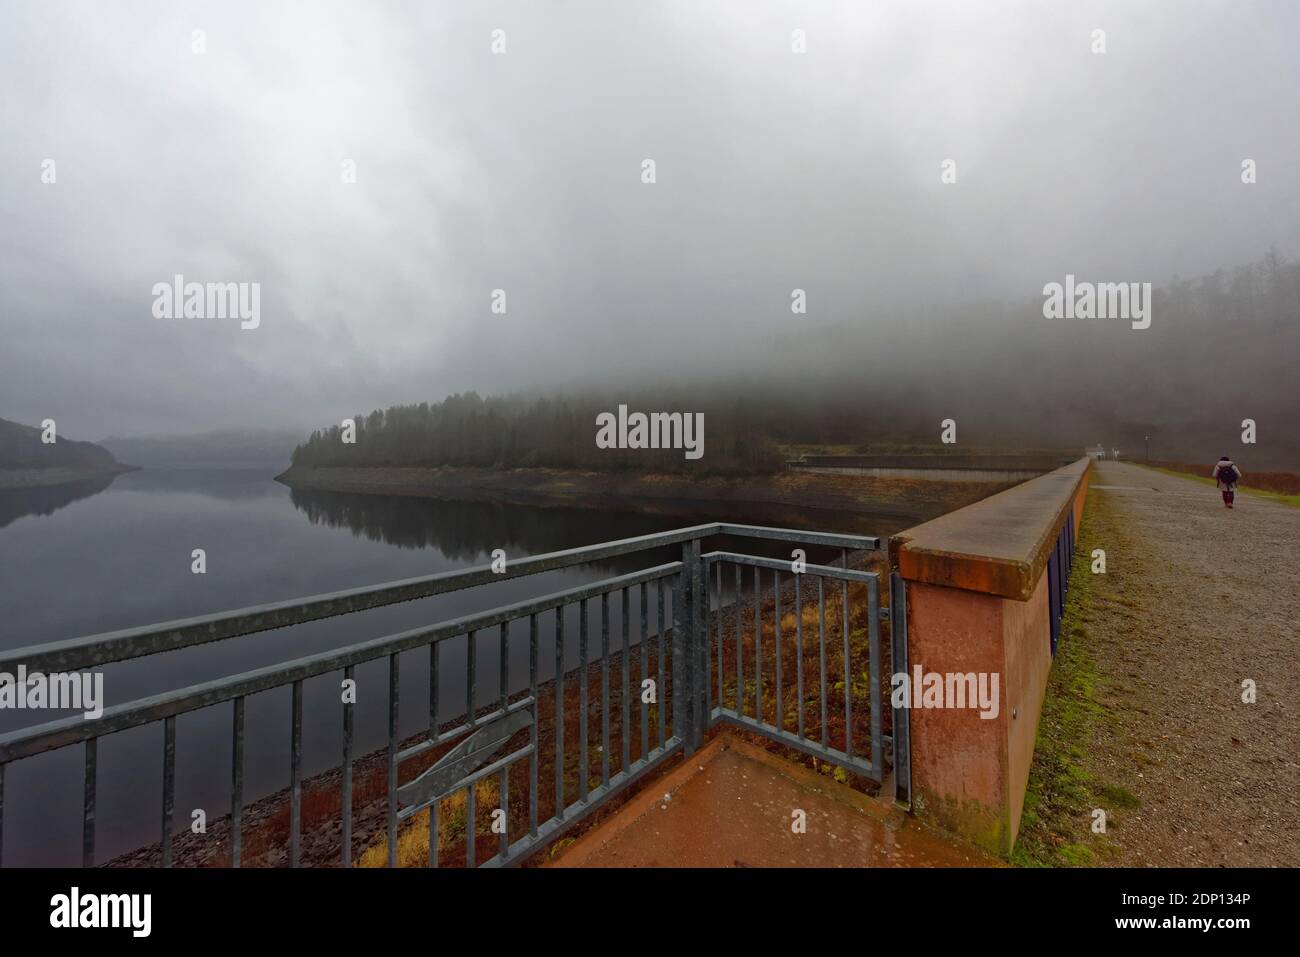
(522,171)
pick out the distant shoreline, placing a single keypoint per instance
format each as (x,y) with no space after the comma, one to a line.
(58,475)
(845,495)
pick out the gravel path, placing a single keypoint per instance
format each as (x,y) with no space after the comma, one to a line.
(1201,598)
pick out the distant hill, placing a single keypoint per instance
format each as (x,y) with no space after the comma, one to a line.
(26,461)
(222,449)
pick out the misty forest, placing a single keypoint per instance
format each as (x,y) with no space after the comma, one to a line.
(1218,345)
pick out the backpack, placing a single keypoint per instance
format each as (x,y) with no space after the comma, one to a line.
(1228,474)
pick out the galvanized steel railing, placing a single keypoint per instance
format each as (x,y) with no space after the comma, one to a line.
(486,728)
(871,766)
(1059,565)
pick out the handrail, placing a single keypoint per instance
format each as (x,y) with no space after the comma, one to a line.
(61,732)
(782,565)
(107,647)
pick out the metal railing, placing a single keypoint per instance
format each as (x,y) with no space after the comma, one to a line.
(869,766)
(683,676)
(1059,565)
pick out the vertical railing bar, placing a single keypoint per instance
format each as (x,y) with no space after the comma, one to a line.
(899,665)
(779,713)
(821,639)
(706,645)
(435,653)
(433,834)
(88,804)
(503,787)
(504,675)
(688,700)
(237,785)
(169,787)
(532,731)
(798,639)
(469,825)
(471,677)
(758,644)
(626,734)
(848,668)
(740,648)
(604,688)
(659,684)
(295,777)
(645,668)
(873,632)
(345,803)
(503,794)
(721,700)
(681,682)
(559,713)
(703,681)
(394,684)
(584,705)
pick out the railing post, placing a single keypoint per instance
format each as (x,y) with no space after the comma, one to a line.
(680,696)
(902,716)
(698,637)
(687,716)
(701,637)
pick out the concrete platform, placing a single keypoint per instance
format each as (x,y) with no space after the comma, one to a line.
(731,805)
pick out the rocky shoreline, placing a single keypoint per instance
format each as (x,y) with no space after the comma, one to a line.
(58,475)
(857,502)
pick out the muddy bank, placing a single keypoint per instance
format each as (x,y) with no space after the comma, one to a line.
(778,497)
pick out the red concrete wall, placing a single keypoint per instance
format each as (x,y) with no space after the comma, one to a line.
(1027,659)
(958,759)
(1079,497)
(969,774)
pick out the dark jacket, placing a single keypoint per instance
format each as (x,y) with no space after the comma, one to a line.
(1225,468)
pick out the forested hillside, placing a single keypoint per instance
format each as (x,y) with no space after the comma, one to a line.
(1220,349)
(21,448)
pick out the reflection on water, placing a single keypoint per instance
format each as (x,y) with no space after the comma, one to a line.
(15,503)
(463,531)
(73,562)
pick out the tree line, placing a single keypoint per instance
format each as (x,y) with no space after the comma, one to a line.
(515,431)
(1221,348)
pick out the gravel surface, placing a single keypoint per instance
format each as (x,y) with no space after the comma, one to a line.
(1203,598)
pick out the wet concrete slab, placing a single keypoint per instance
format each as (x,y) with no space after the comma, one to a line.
(733,805)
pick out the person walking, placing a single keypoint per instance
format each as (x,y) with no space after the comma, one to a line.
(1226,475)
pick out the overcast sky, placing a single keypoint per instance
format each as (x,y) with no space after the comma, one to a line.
(522,171)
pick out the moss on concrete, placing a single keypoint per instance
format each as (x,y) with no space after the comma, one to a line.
(974,821)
